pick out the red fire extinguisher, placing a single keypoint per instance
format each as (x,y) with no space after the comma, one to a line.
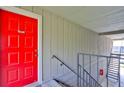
(101,72)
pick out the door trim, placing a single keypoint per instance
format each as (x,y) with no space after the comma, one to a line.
(39,17)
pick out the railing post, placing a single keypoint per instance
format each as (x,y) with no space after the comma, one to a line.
(83,77)
(90,69)
(108,59)
(80,77)
(119,70)
(78,70)
(90,65)
(97,69)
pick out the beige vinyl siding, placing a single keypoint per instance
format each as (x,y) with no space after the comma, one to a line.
(65,39)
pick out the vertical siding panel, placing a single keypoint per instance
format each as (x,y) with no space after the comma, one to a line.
(69,45)
(53,48)
(75,46)
(83,41)
(50,31)
(68,42)
(80,40)
(46,47)
(55,64)
(76,34)
(88,41)
(77,39)
(71,50)
(72,36)
(60,44)
(65,43)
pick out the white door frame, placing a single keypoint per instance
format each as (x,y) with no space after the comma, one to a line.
(39,17)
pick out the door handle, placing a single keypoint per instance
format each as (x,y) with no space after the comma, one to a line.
(36,55)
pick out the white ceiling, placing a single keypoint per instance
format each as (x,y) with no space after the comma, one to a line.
(99,19)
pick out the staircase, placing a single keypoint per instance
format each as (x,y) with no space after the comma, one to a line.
(63,84)
(84,75)
(81,81)
(114,67)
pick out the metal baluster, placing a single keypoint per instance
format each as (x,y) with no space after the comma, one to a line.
(119,71)
(78,70)
(91,83)
(97,69)
(90,70)
(83,70)
(83,77)
(80,77)
(90,65)
(86,78)
(108,59)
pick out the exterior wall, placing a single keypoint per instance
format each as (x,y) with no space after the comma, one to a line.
(104,45)
(65,39)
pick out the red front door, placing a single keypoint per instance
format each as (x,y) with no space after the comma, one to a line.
(18,49)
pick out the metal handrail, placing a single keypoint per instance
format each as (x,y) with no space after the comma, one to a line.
(64,64)
(100,55)
(54,56)
(90,76)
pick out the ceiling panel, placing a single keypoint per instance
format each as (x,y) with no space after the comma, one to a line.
(117,36)
(97,18)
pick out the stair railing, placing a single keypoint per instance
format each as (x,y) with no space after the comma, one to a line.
(119,58)
(96,84)
(108,58)
(62,63)
(89,80)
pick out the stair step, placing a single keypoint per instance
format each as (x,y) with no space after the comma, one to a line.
(113,68)
(114,61)
(112,77)
(115,54)
(113,64)
(116,66)
(112,72)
